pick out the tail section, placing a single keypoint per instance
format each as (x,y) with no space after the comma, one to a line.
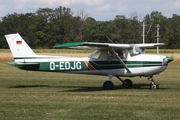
(18,47)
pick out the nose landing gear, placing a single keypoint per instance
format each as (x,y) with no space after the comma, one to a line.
(153,84)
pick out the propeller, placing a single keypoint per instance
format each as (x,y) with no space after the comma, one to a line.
(167,60)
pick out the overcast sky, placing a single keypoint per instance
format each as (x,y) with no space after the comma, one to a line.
(99,9)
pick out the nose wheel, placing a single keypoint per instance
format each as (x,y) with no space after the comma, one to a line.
(153,84)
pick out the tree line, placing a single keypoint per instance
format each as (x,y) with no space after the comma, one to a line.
(48,27)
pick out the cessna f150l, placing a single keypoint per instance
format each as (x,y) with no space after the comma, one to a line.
(119,60)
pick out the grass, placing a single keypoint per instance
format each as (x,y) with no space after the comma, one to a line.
(26,95)
(163,51)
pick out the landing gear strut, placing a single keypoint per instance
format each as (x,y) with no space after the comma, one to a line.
(153,84)
(108,85)
(127,83)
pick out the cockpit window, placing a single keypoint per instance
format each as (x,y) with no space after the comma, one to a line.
(108,54)
(135,51)
(119,53)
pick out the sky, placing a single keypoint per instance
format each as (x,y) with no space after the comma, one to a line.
(103,10)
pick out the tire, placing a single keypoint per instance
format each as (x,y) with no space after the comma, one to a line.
(108,85)
(127,83)
(154,86)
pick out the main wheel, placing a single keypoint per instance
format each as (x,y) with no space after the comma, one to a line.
(127,83)
(108,85)
(154,86)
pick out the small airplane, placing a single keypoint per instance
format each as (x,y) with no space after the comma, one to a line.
(119,60)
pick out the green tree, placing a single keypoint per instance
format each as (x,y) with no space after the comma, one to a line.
(174,34)
(13,23)
(61,24)
(96,31)
(120,30)
(41,27)
(47,27)
(135,29)
(152,20)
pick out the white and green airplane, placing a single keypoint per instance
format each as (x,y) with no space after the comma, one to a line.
(119,60)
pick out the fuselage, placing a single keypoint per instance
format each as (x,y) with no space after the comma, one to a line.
(139,65)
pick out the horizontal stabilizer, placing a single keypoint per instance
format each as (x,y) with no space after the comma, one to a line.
(10,63)
(21,63)
(25,66)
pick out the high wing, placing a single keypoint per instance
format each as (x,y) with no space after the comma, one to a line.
(94,45)
(111,46)
(148,45)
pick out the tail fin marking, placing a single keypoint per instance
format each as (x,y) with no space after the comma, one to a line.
(18,47)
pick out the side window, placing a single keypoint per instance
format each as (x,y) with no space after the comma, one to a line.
(95,54)
(120,53)
(110,55)
(135,51)
(99,54)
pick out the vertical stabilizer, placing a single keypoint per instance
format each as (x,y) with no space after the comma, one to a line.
(18,47)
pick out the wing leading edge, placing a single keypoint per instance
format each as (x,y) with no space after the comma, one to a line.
(94,45)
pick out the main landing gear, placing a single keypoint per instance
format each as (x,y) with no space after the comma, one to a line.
(153,84)
(127,83)
(108,85)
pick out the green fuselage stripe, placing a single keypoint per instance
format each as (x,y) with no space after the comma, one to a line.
(82,66)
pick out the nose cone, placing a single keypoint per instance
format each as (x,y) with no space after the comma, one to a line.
(169,59)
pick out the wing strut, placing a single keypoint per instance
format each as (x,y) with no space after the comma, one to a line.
(120,60)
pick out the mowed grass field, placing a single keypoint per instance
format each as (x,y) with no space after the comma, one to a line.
(27,95)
